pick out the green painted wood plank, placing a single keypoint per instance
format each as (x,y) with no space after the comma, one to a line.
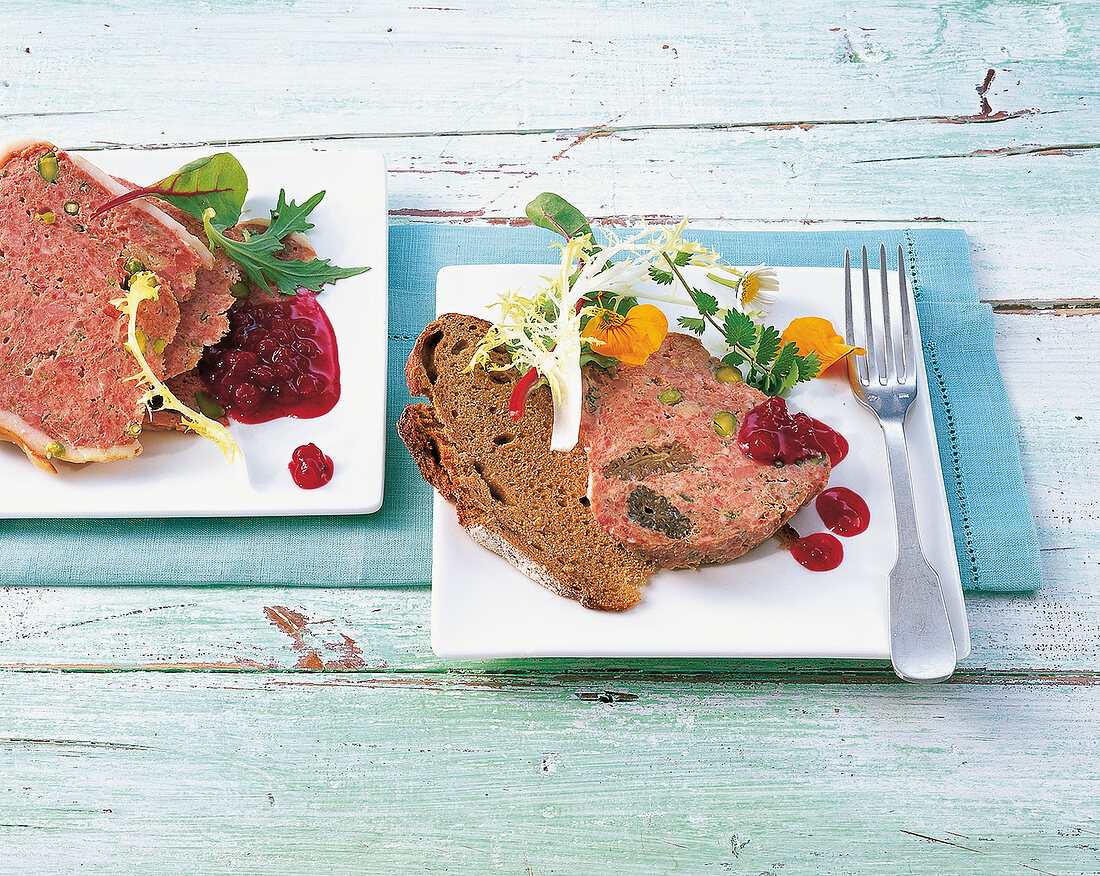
(209,774)
(554,65)
(1023,213)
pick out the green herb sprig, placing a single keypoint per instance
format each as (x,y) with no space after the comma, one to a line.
(774,367)
(256,253)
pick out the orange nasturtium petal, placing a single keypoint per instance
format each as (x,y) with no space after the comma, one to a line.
(632,338)
(812,334)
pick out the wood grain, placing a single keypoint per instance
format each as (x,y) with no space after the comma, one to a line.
(273,730)
(421,773)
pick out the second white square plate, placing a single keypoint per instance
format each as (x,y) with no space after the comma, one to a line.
(762,605)
(183,475)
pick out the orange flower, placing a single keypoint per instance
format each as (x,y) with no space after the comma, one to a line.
(812,334)
(631,338)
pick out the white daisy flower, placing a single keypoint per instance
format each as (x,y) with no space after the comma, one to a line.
(757,293)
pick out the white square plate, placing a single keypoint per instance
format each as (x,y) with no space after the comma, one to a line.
(761,605)
(181,475)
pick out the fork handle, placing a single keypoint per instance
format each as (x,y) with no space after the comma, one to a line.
(921,645)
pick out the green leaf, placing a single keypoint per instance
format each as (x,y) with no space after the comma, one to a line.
(256,254)
(740,331)
(786,384)
(216,182)
(707,304)
(785,362)
(588,356)
(767,345)
(762,381)
(692,323)
(554,213)
(663,278)
(682,259)
(733,359)
(808,367)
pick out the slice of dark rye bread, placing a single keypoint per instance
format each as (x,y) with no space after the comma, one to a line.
(513,494)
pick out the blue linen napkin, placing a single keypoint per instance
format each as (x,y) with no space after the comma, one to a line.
(994,531)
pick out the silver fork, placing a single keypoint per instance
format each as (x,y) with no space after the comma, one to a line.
(885,381)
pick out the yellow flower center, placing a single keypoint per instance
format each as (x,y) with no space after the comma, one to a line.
(609,319)
(750,288)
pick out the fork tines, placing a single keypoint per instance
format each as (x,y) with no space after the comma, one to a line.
(885,362)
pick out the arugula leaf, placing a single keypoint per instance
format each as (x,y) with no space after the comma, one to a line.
(785,362)
(216,182)
(255,254)
(554,213)
(603,361)
(788,382)
(692,323)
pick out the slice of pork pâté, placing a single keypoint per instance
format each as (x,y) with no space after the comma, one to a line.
(203,320)
(665,481)
(63,366)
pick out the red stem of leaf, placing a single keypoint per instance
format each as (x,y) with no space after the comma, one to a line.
(150,190)
(517,403)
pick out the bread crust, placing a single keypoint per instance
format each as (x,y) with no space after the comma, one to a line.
(512,494)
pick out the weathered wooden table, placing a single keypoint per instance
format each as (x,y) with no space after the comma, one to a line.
(193,730)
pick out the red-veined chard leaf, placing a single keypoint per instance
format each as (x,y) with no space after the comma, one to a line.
(554,213)
(216,182)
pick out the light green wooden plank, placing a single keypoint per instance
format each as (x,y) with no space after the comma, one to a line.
(209,774)
(1023,213)
(529,66)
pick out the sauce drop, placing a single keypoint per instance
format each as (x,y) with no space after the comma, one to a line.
(818,552)
(279,359)
(831,441)
(769,434)
(309,467)
(843,511)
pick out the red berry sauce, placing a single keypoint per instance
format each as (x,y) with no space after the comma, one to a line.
(831,441)
(279,359)
(818,552)
(309,467)
(769,434)
(843,511)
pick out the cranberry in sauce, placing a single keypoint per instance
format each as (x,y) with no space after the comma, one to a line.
(843,511)
(831,441)
(279,359)
(769,434)
(309,467)
(818,552)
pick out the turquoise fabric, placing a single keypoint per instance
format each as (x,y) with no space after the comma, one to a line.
(994,531)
